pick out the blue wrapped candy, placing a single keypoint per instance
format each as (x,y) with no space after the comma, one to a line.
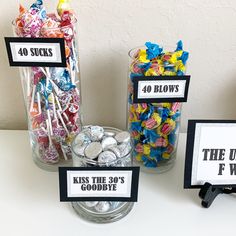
(153,50)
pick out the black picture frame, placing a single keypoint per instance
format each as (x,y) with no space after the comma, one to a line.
(63,184)
(190,149)
(9,40)
(163,78)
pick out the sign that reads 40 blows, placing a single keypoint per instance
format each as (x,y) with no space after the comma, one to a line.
(154,89)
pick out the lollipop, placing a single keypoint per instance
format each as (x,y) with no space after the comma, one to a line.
(66,149)
(50,153)
(50,29)
(63,5)
(41,136)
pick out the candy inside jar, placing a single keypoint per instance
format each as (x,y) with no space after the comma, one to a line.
(52,94)
(105,147)
(154,127)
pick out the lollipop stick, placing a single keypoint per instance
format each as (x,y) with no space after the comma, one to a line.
(71,71)
(47,82)
(39,102)
(62,121)
(47,77)
(77,91)
(54,108)
(64,153)
(44,130)
(45,73)
(25,73)
(75,56)
(66,117)
(32,98)
(54,86)
(48,131)
(49,122)
(58,104)
(28,82)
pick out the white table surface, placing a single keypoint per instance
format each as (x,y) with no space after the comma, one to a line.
(30,206)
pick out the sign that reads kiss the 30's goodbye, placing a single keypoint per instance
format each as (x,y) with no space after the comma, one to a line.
(99,183)
(210,153)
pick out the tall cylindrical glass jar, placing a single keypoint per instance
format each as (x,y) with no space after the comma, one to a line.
(51,94)
(98,146)
(154,127)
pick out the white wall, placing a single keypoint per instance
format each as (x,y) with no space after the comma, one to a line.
(108,29)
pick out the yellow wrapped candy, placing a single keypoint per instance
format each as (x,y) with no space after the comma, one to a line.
(157,118)
(142,56)
(178,53)
(70,138)
(179,66)
(132,108)
(171,122)
(173,58)
(146,149)
(140,108)
(135,135)
(167,127)
(166,155)
(133,117)
(165,104)
(161,70)
(138,157)
(152,122)
(169,73)
(151,72)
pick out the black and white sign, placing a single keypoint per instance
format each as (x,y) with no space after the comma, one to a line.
(99,183)
(210,153)
(48,52)
(154,89)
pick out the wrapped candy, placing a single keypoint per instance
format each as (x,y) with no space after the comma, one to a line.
(67,26)
(52,98)
(154,126)
(51,29)
(63,5)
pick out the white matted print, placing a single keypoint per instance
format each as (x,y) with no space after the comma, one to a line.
(210,153)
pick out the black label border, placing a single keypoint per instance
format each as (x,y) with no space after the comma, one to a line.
(63,184)
(189,152)
(163,78)
(61,41)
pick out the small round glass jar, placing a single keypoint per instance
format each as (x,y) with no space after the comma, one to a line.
(154,127)
(101,211)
